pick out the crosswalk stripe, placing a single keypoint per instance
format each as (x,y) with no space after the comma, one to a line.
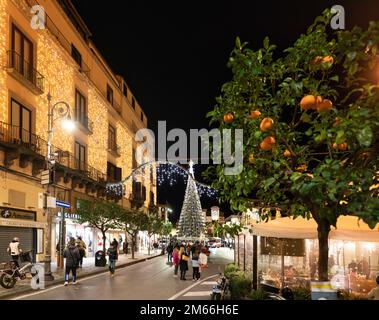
(197,294)
(209,283)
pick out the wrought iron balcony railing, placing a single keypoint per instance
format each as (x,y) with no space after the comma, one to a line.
(25,69)
(14,135)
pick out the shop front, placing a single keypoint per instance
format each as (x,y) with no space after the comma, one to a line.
(23,225)
(287,254)
(111,235)
(72,229)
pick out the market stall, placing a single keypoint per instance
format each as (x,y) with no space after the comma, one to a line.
(288,253)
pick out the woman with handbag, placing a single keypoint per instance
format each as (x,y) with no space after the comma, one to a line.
(184,257)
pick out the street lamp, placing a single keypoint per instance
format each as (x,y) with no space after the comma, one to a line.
(63,111)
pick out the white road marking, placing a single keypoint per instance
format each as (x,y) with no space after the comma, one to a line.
(190,287)
(59,286)
(197,294)
(209,283)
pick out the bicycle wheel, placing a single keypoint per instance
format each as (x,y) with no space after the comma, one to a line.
(7,281)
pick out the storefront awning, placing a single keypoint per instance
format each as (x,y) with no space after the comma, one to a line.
(349,228)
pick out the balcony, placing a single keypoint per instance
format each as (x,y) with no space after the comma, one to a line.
(84,123)
(24,71)
(21,144)
(114,149)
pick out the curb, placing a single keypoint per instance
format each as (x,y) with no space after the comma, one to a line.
(60,281)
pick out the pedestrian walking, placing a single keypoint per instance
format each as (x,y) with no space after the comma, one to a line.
(113,256)
(115,243)
(183,263)
(203,262)
(176,260)
(170,249)
(80,244)
(195,266)
(14,250)
(72,256)
(125,247)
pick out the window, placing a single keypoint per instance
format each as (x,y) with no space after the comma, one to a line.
(80,156)
(112,138)
(21,120)
(125,90)
(76,55)
(110,94)
(114,174)
(142,117)
(81,109)
(22,53)
(134,103)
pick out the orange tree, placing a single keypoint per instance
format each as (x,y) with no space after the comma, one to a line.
(311,127)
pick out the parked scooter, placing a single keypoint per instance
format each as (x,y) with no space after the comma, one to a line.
(11,273)
(220,290)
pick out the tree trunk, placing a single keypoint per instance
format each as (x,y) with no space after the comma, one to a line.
(133,245)
(148,247)
(104,238)
(323,255)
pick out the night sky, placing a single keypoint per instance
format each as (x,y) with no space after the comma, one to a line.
(173,54)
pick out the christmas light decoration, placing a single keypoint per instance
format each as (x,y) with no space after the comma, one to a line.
(191,221)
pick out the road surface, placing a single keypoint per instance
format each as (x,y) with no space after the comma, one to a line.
(149,280)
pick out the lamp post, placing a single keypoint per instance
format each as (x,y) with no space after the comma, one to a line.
(62,112)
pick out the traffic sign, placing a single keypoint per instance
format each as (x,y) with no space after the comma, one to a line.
(63,204)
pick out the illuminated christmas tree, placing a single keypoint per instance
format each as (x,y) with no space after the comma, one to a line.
(191,222)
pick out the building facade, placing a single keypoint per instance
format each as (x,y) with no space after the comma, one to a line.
(60,59)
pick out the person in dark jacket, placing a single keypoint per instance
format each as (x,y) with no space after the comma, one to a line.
(113,256)
(183,263)
(125,247)
(72,256)
(170,249)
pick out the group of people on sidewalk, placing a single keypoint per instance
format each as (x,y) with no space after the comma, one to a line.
(76,251)
(183,254)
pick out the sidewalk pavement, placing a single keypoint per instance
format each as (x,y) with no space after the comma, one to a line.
(23,287)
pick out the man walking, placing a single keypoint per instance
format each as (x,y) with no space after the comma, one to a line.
(72,256)
(82,250)
(113,256)
(170,249)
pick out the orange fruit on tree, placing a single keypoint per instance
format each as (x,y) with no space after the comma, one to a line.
(251,158)
(255,114)
(317,60)
(328,59)
(229,117)
(342,146)
(325,106)
(266,124)
(335,146)
(287,153)
(310,102)
(267,143)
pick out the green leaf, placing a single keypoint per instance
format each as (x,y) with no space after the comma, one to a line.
(335,78)
(268,182)
(238,43)
(365,136)
(266,43)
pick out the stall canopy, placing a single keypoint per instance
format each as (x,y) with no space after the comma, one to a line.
(349,228)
